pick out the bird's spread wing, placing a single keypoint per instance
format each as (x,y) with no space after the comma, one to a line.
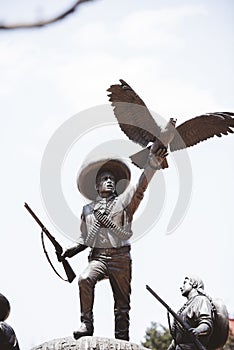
(202,128)
(132,114)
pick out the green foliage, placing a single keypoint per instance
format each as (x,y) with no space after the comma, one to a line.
(230,342)
(157,337)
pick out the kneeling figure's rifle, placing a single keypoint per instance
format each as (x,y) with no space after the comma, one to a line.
(179,319)
(58,248)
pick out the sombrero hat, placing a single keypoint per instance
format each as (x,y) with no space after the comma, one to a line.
(86,179)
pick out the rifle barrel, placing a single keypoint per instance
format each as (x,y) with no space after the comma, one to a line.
(34,215)
(57,246)
(173,313)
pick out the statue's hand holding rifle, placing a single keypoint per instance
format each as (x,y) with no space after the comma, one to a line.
(58,249)
(70,252)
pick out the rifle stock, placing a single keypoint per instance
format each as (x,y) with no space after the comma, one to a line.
(185,325)
(58,248)
(68,270)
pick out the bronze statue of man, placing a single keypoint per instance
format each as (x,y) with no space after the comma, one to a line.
(8,340)
(106,228)
(197,312)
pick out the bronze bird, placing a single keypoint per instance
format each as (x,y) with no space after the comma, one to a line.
(137,123)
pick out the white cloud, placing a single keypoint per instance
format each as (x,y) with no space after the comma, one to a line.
(169,97)
(141,29)
(93,35)
(157,27)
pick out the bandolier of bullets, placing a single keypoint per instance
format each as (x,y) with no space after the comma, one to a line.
(121,233)
(90,240)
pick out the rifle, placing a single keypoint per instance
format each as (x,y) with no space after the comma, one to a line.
(58,248)
(179,319)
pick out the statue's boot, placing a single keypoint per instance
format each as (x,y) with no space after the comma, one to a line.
(122,324)
(83,331)
(86,328)
(86,282)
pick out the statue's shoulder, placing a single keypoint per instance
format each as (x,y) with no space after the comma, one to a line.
(88,208)
(8,338)
(201,299)
(5,327)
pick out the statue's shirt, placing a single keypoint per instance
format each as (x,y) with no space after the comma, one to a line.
(195,311)
(122,209)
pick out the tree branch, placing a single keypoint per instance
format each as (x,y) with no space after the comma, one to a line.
(44,22)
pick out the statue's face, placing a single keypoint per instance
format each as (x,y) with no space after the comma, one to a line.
(106,184)
(186,287)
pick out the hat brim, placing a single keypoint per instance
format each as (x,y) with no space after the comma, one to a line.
(86,179)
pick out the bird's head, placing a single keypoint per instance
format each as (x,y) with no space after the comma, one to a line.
(173,121)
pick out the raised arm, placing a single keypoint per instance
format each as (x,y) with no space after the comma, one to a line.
(153,164)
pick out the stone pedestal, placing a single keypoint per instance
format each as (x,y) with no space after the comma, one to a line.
(88,343)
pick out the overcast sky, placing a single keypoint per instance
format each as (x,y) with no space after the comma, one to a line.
(178,56)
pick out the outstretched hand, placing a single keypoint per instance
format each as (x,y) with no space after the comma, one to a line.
(161,153)
(156,157)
